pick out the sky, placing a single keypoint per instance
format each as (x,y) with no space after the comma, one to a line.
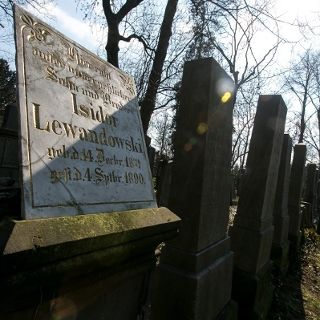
(66,17)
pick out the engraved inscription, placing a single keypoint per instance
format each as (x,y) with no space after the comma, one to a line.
(82,141)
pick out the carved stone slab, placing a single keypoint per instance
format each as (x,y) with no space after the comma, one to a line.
(82,143)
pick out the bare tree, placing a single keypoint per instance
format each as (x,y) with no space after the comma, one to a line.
(116,16)
(161,131)
(6,6)
(149,100)
(300,81)
(6,22)
(230,31)
(243,122)
(7,87)
(155,45)
(233,28)
(313,130)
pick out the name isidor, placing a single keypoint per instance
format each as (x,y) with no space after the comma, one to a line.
(97,136)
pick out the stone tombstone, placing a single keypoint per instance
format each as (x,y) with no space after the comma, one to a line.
(280,246)
(280,212)
(295,192)
(195,271)
(310,183)
(310,193)
(82,142)
(253,222)
(252,232)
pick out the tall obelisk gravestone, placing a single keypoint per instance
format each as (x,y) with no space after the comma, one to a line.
(280,245)
(295,192)
(252,232)
(194,280)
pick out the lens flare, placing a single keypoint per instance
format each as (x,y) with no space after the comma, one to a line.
(188,147)
(226,97)
(193,141)
(202,128)
(224,88)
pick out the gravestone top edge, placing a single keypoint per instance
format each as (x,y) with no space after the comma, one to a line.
(17,8)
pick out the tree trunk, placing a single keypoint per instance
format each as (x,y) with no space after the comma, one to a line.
(148,102)
(112,46)
(113,20)
(303,111)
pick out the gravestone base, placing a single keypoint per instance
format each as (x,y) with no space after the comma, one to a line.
(280,256)
(83,267)
(251,247)
(94,296)
(253,292)
(184,285)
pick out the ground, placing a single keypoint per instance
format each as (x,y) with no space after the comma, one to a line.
(297,295)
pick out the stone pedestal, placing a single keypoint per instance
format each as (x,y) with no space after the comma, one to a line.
(252,232)
(195,272)
(83,267)
(253,292)
(295,192)
(280,244)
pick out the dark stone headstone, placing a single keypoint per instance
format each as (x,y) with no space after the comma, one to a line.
(164,183)
(252,231)
(151,152)
(195,273)
(310,194)
(295,192)
(280,245)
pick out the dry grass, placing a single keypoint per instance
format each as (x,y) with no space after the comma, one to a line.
(297,296)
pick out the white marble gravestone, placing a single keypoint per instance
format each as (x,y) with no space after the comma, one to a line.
(82,143)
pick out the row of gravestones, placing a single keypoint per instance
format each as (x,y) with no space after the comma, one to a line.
(83,152)
(199,261)
(201,272)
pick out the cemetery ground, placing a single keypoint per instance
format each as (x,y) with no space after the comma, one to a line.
(297,295)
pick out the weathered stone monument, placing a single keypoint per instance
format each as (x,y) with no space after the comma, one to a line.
(82,151)
(309,195)
(280,244)
(80,127)
(195,272)
(252,231)
(295,193)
